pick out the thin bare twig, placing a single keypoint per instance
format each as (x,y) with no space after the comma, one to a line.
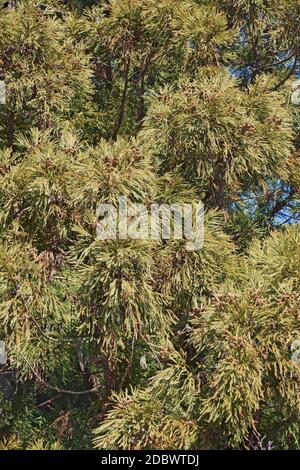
(58,389)
(288,75)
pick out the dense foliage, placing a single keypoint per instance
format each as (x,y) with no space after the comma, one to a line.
(141,344)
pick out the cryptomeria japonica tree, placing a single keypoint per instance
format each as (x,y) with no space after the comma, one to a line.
(143,344)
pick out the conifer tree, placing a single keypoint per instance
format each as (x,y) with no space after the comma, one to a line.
(145,344)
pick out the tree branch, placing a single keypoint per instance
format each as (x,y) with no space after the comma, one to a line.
(288,75)
(123,99)
(58,389)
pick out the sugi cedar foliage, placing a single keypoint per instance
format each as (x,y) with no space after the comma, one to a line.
(141,344)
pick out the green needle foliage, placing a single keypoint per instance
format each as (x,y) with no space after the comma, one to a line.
(144,344)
